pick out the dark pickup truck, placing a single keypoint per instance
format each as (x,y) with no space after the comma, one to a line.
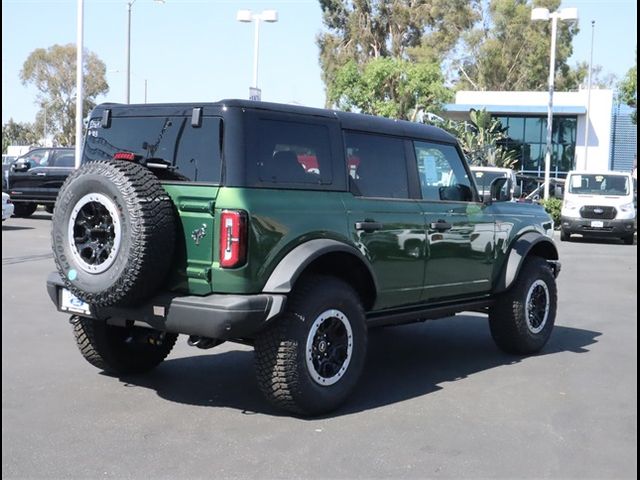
(36,177)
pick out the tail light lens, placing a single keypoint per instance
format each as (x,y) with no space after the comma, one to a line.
(233,238)
(124,156)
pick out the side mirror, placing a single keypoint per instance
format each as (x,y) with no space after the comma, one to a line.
(500,190)
(20,166)
(517,191)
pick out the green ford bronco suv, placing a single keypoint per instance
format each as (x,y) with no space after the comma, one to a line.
(291,229)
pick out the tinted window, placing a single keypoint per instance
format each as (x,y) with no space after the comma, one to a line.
(291,153)
(377,165)
(192,153)
(64,159)
(36,158)
(442,174)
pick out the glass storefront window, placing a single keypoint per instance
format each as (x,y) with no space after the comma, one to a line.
(528,138)
(533,130)
(516,128)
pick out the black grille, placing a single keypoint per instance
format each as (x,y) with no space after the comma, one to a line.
(598,212)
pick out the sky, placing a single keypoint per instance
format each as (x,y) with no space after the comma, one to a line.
(196,51)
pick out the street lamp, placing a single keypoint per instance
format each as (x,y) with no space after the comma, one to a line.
(128,84)
(247,16)
(566,14)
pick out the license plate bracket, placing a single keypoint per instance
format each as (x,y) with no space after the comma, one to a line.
(70,303)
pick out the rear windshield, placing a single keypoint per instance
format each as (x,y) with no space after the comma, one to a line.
(590,184)
(192,153)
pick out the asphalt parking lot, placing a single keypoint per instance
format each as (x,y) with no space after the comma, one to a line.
(436,399)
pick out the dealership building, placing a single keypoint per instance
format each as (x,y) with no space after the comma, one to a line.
(612,137)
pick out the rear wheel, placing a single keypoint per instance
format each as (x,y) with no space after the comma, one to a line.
(49,208)
(310,359)
(24,210)
(121,350)
(522,319)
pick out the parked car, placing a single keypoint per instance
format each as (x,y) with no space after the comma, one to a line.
(7,160)
(7,206)
(599,204)
(252,222)
(36,178)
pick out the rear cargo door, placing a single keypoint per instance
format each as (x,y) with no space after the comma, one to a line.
(184,151)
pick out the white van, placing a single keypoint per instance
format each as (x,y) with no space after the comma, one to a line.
(598,204)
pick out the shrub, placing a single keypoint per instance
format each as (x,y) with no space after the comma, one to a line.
(553,206)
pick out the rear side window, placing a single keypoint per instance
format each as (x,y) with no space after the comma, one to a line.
(377,165)
(193,154)
(64,159)
(291,154)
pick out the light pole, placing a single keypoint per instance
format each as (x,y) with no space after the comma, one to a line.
(566,14)
(79,78)
(128,54)
(586,121)
(248,16)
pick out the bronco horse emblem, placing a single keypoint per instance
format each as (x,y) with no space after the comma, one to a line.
(199,233)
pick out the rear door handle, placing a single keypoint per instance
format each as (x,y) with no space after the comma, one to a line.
(368,226)
(440,226)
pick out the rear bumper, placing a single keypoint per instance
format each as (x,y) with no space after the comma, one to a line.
(221,316)
(609,228)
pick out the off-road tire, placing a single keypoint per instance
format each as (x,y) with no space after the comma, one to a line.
(142,233)
(510,319)
(121,350)
(24,210)
(283,373)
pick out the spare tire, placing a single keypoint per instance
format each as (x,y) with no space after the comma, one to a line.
(113,233)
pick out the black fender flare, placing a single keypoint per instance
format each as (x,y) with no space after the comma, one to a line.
(290,268)
(519,250)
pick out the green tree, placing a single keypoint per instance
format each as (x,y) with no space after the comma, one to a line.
(629,90)
(53,73)
(18,133)
(509,52)
(357,31)
(481,139)
(389,87)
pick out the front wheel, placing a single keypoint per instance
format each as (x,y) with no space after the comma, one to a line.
(565,236)
(310,359)
(522,318)
(628,240)
(121,350)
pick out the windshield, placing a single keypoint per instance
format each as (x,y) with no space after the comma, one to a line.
(484,179)
(592,184)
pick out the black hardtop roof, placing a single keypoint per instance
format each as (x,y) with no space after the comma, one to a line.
(348,120)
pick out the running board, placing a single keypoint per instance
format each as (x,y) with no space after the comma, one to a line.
(431,312)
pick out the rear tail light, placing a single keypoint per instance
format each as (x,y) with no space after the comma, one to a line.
(233,238)
(124,156)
